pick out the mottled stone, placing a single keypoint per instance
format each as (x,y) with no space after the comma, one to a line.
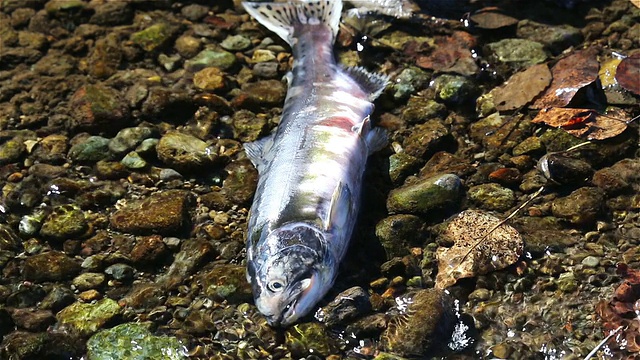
(32,319)
(240,184)
(133,341)
(50,266)
(64,222)
(235,43)
(402,165)
(556,38)
(425,195)
(265,92)
(426,139)
(492,197)
(420,109)
(148,249)
(163,212)
(519,52)
(227,282)
(348,305)
(88,281)
(85,319)
(12,150)
(580,207)
(187,46)
(310,338)
(454,89)
(221,59)
(98,108)
(127,139)
(398,233)
(184,151)
(93,148)
(121,272)
(155,36)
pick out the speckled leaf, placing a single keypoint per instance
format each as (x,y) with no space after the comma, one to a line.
(480,245)
(585,123)
(451,54)
(628,73)
(522,88)
(491,19)
(569,76)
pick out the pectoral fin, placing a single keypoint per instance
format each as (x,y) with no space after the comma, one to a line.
(257,150)
(340,209)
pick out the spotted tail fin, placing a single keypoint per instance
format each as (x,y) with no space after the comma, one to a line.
(282,18)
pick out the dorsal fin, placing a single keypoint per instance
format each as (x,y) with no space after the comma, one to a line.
(282,18)
(372,83)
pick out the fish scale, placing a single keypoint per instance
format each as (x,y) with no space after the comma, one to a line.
(310,170)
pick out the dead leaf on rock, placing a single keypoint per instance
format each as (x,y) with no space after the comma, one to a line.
(451,54)
(491,18)
(636,3)
(522,87)
(481,244)
(628,73)
(585,123)
(569,76)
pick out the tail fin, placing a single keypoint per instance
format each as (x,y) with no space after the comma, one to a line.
(281,18)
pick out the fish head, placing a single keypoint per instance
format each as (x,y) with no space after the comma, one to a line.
(292,273)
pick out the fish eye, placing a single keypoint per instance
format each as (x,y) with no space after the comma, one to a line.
(275,286)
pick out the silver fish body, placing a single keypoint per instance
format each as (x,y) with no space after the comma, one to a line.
(310,170)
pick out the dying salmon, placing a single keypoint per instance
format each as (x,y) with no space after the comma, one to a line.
(311,168)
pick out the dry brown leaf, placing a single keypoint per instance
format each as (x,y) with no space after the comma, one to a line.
(636,3)
(491,19)
(628,73)
(585,123)
(569,76)
(481,244)
(522,87)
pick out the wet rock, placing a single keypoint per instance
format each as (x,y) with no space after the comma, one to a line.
(425,195)
(110,170)
(12,150)
(50,266)
(348,305)
(132,341)
(121,272)
(402,165)
(619,177)
(20,17)
(209,79)
(420,109)
(220,59)
(133,161)
(564,170)
(413,333)
(187,46)
(184,152)
(163,213)
(112,13)
(60,7)
(567,282)
(529,146)
(105,58)
(32,319)
(444,162)
(64,222)
(192,253)
(148,250)
(398,233)
(164,104)
(58,298)
(227,282)
(409,81)
(309,339)
(506,176)
(88,281)
(454,89)
(127,139)
(532,181)
(555,38)
(98,108)
(85,319)
(9,240)
(240,184)
(155,36)
(265,92)
(426,139)
(23,345)
(581,207)
(518,52)
(52,149)
(492,197)
(235,43)
(194,12)
(93,148)
(248,127)
(266,70)
(381,355)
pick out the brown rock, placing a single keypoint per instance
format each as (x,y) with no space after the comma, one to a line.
(50,266)
(148,249)
(162,213)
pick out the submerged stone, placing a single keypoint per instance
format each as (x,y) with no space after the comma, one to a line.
(581,207)
(132,341)
(227,282)
(85,319)
(211,58)
(184,151)
(50,266)
(492,197)
(520,52)
(64,222)
(155,36)
(93,148)
(310,339)
(398,233)
(162,213)
(425,195)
